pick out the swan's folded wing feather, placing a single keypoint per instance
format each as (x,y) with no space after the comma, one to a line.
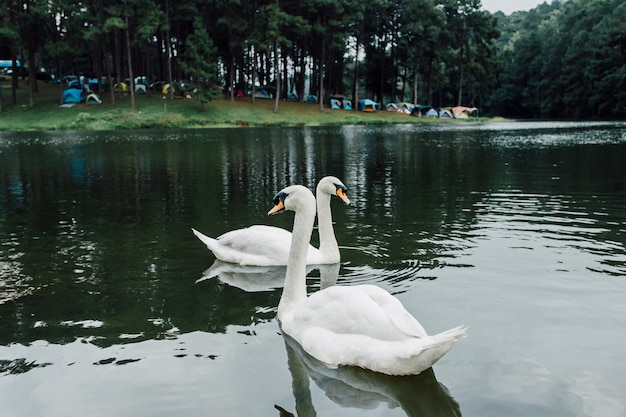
(254,245)
(365,309)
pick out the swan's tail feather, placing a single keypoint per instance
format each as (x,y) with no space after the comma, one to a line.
(208,241)
(433,348)
(454,334)
(205,277)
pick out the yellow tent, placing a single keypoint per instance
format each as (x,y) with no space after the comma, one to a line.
(123,87)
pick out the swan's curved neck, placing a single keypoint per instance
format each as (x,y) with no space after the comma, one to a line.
(294,291)
(328,242)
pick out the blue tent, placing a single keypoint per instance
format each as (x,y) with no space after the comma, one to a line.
(421,110)
(73,95)
(262,93)
(367,105)
(335,104)
(445,114)
(347,104)
(8,63)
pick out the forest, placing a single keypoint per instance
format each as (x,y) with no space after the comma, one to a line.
(566,59)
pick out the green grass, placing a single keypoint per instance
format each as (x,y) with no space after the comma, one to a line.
(152,111)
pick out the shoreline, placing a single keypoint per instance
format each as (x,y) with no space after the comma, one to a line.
(153,111)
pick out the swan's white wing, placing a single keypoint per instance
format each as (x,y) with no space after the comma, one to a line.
(256,245)
(365,309)
(367,327)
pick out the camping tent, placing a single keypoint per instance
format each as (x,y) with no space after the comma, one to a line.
(461,112)
(93,84)
(393,107)
(422,111)
(367,105)
(93,98)
(123,87)
(8,63)
(405,107)
(339,101)
(262,93)
(445,114)
(311,99)
(73,95)
(432,113)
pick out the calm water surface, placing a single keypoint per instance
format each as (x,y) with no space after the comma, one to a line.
(516,230)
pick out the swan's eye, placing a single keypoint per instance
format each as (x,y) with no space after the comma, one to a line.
(279,203)
(280,198)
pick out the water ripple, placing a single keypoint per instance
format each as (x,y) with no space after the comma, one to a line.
(570,228)
(396,277)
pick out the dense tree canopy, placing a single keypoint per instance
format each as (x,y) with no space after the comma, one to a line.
(566,59)
(563,60)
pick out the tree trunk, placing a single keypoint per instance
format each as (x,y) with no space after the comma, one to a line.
(381,86)
(302,78)
(32,78)
(14,81)
(429,82)
(60,76)
(169,63)
(355,85)
(461,68)
(277,72)
(118,63)
(231,79)
(405,75)
(285,79)
(130,68)
(107,68)
(320,97)
(414,95)
(254,74)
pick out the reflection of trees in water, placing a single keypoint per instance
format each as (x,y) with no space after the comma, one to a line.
(418,395)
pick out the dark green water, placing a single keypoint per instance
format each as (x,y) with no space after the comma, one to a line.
(516,230)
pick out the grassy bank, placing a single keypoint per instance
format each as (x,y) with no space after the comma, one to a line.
(152,111)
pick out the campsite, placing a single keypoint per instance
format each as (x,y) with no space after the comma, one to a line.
(155,110)
(313,54)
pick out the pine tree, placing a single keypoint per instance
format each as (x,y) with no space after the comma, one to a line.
(199,62)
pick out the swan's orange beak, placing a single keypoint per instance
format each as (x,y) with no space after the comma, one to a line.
(277,208)
(341,194)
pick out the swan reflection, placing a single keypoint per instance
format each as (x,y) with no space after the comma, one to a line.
(418,395)
(263,278)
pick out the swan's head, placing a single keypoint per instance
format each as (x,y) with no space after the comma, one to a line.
(294,198)
(333,186)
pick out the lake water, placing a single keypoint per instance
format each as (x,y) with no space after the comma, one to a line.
(516,230)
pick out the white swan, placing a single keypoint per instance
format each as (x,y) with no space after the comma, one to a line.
(269,246)
(361,326)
